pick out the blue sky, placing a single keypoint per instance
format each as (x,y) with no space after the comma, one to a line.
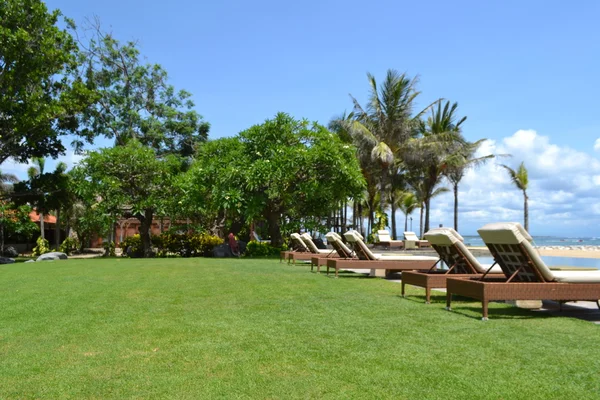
(512,66)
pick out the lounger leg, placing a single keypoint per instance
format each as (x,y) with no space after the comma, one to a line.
(427,295)
(598,303)
(484,305)
(336,272)
(328,269)
(448,301)
(403,289)
(311,266)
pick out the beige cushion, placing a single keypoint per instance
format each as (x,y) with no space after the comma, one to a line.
(449,237)
(514,233)
(504,233)
(311,245)
(411,236)
(334,237)
(355,238)
(384,236)
(407,258)
(298,240)
(577,276)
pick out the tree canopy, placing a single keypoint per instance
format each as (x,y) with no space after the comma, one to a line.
(39,99)
(283,171)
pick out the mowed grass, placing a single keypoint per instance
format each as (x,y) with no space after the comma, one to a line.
(215,328)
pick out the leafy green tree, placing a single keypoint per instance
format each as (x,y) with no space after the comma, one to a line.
(14,221)
(430,153)
(135,102)
(520,178)
(128,180)
(284,171)
(39,100)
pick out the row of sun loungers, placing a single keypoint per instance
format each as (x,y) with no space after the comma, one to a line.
(517,274)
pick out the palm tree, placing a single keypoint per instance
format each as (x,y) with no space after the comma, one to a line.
(32,172)
(458,164)
(36,171)
(386,123)
(408,204)
(431,152)
(520,179)
(6,182)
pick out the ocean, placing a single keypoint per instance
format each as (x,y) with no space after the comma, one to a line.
(545,241)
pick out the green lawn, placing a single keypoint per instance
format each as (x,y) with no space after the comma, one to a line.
(205,328)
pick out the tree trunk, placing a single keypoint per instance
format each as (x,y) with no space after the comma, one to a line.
(456,207)
(382,191)
(345,223)
(526,211)
(274,228)
(406,222)
(361,218)
(427,203)
(145,225)
(394,236)
(42,234)
(421,221)
(57,230)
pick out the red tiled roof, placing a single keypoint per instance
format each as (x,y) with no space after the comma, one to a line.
(35,217)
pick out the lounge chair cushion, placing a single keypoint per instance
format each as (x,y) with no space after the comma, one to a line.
(336,240)
(504,233)
(512,233)
(383,236)
(299,242)
(449,237)
(354,238)
(312,247)
(577,276)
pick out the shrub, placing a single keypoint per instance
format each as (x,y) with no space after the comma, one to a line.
(186,244)
(259,249)
(42,247)
(132,246)
(69,245)
(109,249)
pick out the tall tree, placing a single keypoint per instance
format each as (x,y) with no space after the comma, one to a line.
(408,204)
(135,102)
(520,178)
(39,100)
(128,179)
(285,172)
(459,162)
(440,134)
(385,123)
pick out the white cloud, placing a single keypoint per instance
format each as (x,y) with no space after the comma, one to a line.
(597,144)
(564,188)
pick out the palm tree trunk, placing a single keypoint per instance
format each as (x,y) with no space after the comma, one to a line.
(526,211)
(382,191)
(394,236)
(345,225)
(361,218)
(406,222)
(427,202)
(57,230)
(455,207)
(421,221)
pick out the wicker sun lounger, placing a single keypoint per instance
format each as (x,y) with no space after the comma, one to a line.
(313,250)
(298,247)
(385,240)
(368,260)
(526,276)
(411,239)
(338,245)
(460,262)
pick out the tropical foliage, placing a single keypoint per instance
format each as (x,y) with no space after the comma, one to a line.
(520,178)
